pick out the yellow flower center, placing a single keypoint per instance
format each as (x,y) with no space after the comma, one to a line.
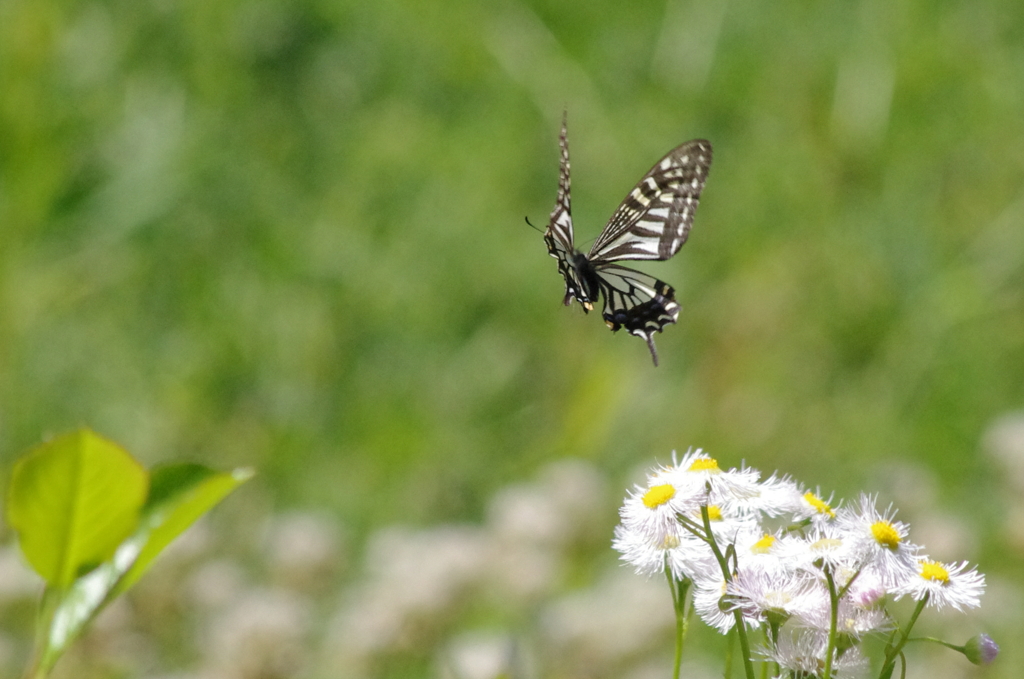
(714,513)
(886,534)
(818,504)
(933,570)
(764,545)
(659,495)
(669,542)
(704,464)
(826,544)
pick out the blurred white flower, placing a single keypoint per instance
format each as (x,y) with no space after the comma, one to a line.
(260,636)
(479,655)
(17,580)
(622,616)
(580,491)
(303,550)
(413,580)
(527,513)
(1004,441)
(215,583)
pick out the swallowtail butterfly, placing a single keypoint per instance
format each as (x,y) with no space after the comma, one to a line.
(651,223)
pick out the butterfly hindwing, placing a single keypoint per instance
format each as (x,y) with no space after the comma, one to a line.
(640,303)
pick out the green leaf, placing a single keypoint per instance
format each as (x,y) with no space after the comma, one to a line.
(72,501)
(179,495)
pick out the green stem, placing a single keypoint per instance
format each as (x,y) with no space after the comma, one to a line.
(961,649)
(741,628)
(39,667)
(833,622)
(679,589)
(893,652)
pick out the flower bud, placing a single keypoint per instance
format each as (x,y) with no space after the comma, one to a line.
(981,649)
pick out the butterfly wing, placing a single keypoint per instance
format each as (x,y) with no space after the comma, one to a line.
(640,303)
(558,236)
(654,219)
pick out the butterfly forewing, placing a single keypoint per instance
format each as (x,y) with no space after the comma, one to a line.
(654,219)
(559,237)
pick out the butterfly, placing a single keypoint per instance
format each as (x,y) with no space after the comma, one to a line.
(651,223)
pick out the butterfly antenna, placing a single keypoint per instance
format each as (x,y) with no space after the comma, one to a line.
(532,226)
(650,345)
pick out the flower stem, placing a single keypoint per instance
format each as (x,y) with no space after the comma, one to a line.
(893,652)
(679,589)
(833,622)
(741,629)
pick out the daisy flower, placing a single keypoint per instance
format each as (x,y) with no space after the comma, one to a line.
(772,497)
(811,505)
(774,595)
(944,585)
(825,546)
(803,655)
(714,606)
(852,621)
(691,558)
(698,470)
(761,551)
(646,556)
(652,511)
(881,540)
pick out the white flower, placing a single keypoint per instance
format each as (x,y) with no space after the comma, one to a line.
(766,594)
(945,585)
(692,557)
(867,591)
(652,510)
(761,550)
(650,528)
(646,555)
(698,471)
(773,497)
(852,620)
(825,546)
(811,505)
(725,526)
(712,604)
(802,654)
(881,541)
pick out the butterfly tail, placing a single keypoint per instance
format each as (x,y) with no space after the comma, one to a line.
(650,345)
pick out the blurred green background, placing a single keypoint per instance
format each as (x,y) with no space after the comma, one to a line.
(290,235)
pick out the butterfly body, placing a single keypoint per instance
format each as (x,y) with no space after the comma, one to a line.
(652,223)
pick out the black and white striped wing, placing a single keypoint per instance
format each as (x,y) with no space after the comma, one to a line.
(640,303)
(558,236)
(654,219)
